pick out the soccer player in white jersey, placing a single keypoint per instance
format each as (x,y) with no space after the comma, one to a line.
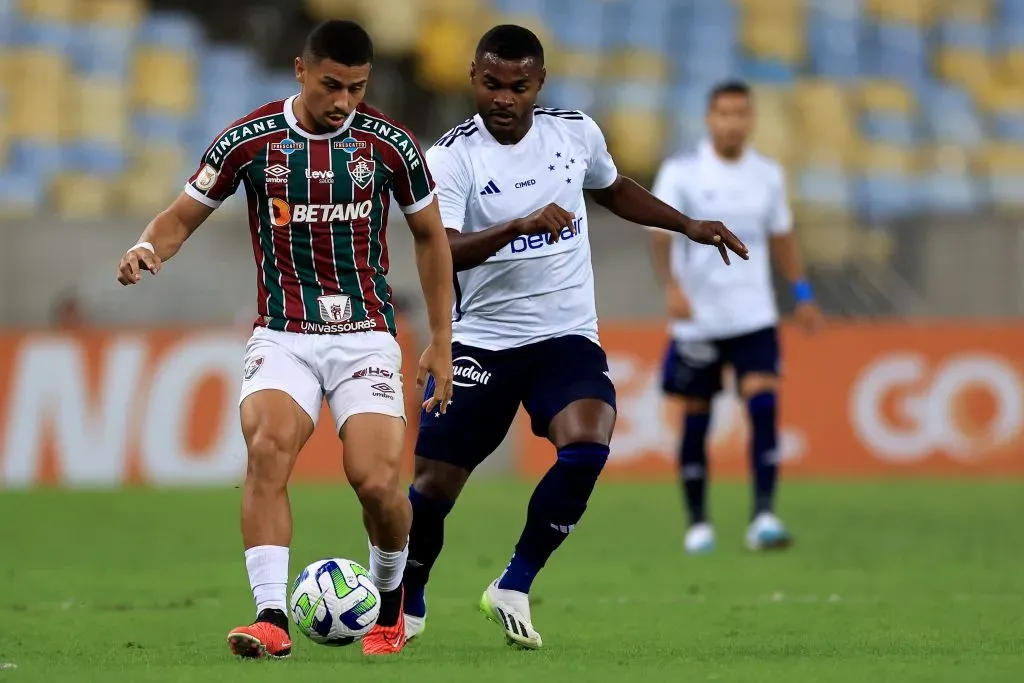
(511,184)
(728,316)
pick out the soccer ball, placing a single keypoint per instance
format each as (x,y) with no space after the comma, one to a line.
(334,602)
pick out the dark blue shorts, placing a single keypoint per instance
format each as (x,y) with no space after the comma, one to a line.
(694,368)
(491,385)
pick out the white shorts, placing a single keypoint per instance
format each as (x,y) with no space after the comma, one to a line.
(358,372)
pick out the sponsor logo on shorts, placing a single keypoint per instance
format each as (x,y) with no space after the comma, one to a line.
(253,367)
(322,328)
(468,372)
(383,390)
(367,373)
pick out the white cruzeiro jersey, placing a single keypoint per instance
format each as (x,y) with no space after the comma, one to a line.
(749,196)
(531,290)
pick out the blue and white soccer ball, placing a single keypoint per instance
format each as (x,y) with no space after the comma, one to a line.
(334,602)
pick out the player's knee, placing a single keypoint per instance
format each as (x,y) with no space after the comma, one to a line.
(756,383)
(377,491)
(696,406)
(439,480)
(585,421)
(269,459)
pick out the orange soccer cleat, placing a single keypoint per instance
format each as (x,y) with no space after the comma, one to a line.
(386,640)
(260,639)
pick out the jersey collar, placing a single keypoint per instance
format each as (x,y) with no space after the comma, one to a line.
(479,120)
(293,122)
(707,150)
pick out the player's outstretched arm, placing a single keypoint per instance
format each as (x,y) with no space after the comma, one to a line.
(434,262)
(629,201)
(469,250)
(162,238)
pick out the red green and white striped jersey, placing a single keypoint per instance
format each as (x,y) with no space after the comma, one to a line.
(318,211)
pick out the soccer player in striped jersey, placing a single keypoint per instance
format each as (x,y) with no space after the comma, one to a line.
(511,184)
(318,170)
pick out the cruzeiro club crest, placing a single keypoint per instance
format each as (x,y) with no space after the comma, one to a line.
(362,171)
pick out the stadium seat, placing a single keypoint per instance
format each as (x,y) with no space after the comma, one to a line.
(896,51)
(917,12)
(81,196)
(125,13)
(886,196)
(35,89)
(21,194)
(144,193)
(103,50)
(394,25)
(825,187)
(102,127)
(172,31)
(773,134)
(947,193)
(442,49)
(635,154)
(950,116)
(896,129)
(569,93)
(890,97)
(964,35)
(969,69)
(874,158)
(164,81)
(628,66)
(833,43)
(827,237)
(975,10)
(1012,66)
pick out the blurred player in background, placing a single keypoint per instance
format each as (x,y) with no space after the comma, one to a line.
(318,170)
(727,316)
(511,184)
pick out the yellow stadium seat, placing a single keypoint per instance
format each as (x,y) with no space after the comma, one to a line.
(827,237)
(972,10)
(825,122)
(116,12)
(1002,98)
(78,196)
(394,25)
(836,150)
(1011,67)
(967,68)
(37,84)
(1002,158)
(445,50)
(149,158)
(774,138)
(874,247)
(450,8)
(886,96)
(947,159)
(50,10)
(146,193)
(879,157)
(575,64)
(332,9)
(633,65)
(917,12)
(635,154)
(773,39)
(102,110)
(164,80)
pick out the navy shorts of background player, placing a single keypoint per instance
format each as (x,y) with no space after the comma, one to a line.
(543,377)
(693,369)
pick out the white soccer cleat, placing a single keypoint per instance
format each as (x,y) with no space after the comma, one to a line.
(699,539)
(414,626)
(767,532)
(511,611)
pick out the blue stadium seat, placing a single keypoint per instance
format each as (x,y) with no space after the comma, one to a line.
(95,158)
(1011,11)
(52,35)
(951,117)
(161,129)
(102,50)
(635,95)
(884,197)
(825,186)
(172,30)
(841,9)
(569,93)
(223,65)
(643,26)
(21,191)
(35,159)
(768,71)
(888,127)
(963,34)
(834,46)
(8,18)
(576,24)
(945,193)
(1004,189)
(524,7)
(1011,35)
(897,51)
(275,85)
(1009,126)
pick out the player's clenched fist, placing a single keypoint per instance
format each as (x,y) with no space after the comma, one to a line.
(136,260)
(552,219)
(436,361)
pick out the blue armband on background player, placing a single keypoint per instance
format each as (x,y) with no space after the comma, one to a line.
(802,292)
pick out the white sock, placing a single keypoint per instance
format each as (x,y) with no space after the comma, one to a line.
(386,569)
(268,576)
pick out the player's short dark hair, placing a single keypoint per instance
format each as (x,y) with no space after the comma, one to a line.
(511,42)
(733,87)
(345,42)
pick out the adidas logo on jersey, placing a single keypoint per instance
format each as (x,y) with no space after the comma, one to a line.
(490,188)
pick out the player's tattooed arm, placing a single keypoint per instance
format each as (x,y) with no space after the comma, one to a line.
(162,238)
(469,250)
(629,201)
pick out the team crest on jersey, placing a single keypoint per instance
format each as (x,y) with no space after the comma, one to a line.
(335,308)
(362,171)
(253,367)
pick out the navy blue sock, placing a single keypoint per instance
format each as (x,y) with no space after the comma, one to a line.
(693,465)
(426,537)
(556,506)
(763,450)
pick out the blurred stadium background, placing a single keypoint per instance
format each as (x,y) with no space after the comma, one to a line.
(901,126)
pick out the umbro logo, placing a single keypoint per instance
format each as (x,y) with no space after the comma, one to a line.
(490,188)
(277,173)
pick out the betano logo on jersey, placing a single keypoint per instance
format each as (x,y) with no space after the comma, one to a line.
(282,213)
(525,243)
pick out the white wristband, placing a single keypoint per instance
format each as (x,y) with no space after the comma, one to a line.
(143,245)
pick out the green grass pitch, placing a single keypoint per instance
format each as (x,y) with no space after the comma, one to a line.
(899,581)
